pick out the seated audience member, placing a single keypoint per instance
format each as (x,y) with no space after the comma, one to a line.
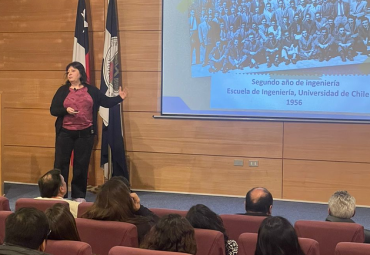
(52,186)
(114,202)
(276,236)
(341,208)
(26,232)
(258,202)
(200,216)
(171,233)
(62,223)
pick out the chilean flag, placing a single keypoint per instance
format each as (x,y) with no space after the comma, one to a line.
(112,135)
(81,42)
(81,39)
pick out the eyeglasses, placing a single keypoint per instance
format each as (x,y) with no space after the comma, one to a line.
(48,233)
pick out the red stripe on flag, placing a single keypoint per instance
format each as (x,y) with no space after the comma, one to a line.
(87,67)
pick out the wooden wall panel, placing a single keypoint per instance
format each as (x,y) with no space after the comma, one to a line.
(231,138)
(333,142)
(140,51)
(43,51)
(32,89)
(29,127)
(42,16)
(140,14)
(144,91)
(318,180)
(202,174)
(33,128)
(25,164)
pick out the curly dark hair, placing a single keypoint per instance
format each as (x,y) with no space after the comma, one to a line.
(171,233)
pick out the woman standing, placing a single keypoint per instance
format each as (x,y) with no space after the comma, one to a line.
(76,104)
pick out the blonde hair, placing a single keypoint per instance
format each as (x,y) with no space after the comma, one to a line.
(342,205)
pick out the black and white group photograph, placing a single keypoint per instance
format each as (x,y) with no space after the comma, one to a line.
(273,35)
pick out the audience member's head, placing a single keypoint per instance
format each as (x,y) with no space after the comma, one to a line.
(342,205)
(200,216)
(126,182)
(52,184)
(27,227)
(259,201)
(62,223)
(276,236)
(113,202)
(171,233)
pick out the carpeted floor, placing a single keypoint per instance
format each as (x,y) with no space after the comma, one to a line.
(293,211)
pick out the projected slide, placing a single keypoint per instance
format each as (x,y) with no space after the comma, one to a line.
(306,59)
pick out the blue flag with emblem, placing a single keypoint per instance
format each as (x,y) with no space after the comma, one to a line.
(112,135)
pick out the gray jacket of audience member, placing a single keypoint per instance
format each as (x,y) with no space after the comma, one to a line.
(336,219)
(18,250)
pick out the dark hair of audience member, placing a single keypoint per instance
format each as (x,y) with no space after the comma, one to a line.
(27,227)
(171,233)
(276,236)
(50,183)
(200,216)
(261,205)
(62,223)
(114,203)
(127,183)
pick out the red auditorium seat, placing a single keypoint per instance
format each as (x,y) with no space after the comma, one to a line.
(160,212)
(103,235)
(346,248)
(235,225)
(309,246)
(4,204)
(40,204)
(329,234)
(82,208)
(247,245)
(120,250)
(209,242)
(3,216)
(61,247)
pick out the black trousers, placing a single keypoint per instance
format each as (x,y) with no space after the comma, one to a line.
(81,142)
